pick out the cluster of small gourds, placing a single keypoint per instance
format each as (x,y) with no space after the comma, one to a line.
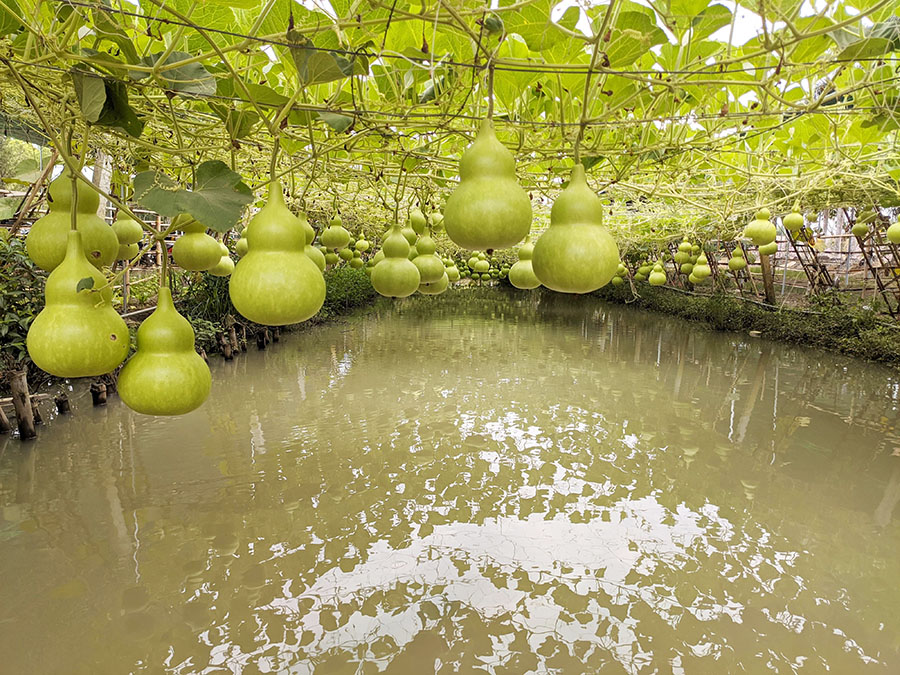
(78,333)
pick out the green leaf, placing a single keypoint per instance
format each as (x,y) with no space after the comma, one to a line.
(91,93)
(116,111)
(337,122)
(9,206)
(534,23)
(865,49)
(709,21)
(217,200)
(321,63)
(191,78)
(85,284)
(10,17)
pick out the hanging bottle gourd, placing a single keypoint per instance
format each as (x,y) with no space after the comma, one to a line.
(893,233)
(362,245)
(521,274)
(128,233)
(576,254)
(430,267)
(276,284)
(760,230)
(335,236)
(769,249)
(194,250)
(417,221)
(452,272)
(437,287)
(657,276)
(437,221)
(488,209)
(313,253)
(166,376)
(46,242)
(737,261)
(225,266)
(619,278)
(702,269)
(683,255)
(78,333)
(861,226)
(794,221)
(241,246)
(395,276)
(409,234)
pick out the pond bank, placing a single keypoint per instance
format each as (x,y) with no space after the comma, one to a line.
(826,323)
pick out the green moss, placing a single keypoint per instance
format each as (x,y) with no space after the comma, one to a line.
(826,322)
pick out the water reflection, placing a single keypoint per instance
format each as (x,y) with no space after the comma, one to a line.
(475,482)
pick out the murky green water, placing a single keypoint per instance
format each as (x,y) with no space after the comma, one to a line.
(500,484)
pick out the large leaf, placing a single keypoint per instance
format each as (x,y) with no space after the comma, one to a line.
(191,78)
(323,62)
(217,200)
(10,17)
(534,23)
(104,101)
(865,49)
(709,21)
(9,206)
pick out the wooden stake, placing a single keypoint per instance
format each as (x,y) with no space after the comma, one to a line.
(768,278)
(276,334)
(225,347)
(261,339)
(98,393)
(36,412)
(5,426)
(62,404)
(233,338)
(18,384)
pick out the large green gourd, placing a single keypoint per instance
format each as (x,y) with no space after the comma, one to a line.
(395,276)
(893,233)
(436,287)
(165,376)
(488,209)
(657,276)
(521,275)
(195,250)
(794,221)
(335,236)
(576,254)
(276,283)
(430,267)
(78,333)
(127,230)
(760,231)
(47,239)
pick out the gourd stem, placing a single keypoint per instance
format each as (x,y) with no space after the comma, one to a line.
(164,267)
(276,146)
(74,210)
(490,87)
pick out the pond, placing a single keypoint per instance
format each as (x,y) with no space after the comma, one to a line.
(478,482)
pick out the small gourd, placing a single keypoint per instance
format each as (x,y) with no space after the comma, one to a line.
(521,274)
(576,254)
(417,221)
(77,333)
(331,258)
(437,222)
(617,281)
(127,230)
(769,249)
(701,269)
(361,245)
(276,283)
(47,239)
(194,250)
(345,254)
(436,287)
(453,273)
(430,267)
(657,276)
(893,233)
(166,376)
(794,221)
(357,263)
(395,276)
(335,236)
(488,209)
(241,247)
(127,251)
(225,266)
(312,252)
(760,230)
(686,268)
(737,261)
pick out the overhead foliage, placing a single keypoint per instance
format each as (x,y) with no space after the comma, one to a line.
(680,128)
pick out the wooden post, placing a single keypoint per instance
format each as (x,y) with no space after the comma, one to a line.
(62,404)
(276,334)
(36,412)
(18,384)
(5,426)
(98,393)
(225,346)
(261,340)
(233,339)
(243,338)
(204,356)
(768,278)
